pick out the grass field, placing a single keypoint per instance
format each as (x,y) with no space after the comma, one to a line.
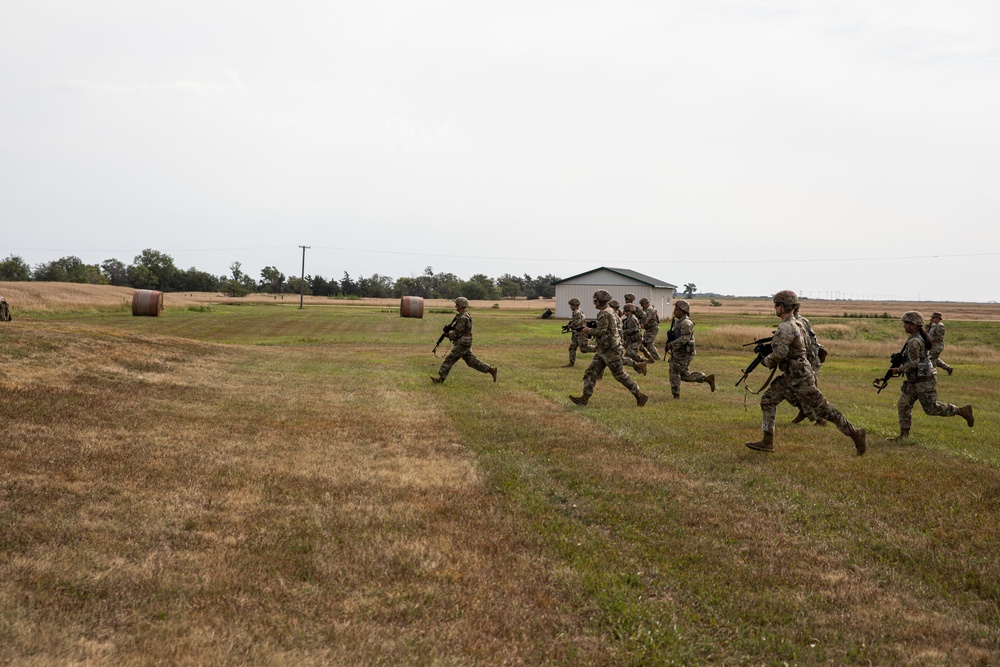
(259,484)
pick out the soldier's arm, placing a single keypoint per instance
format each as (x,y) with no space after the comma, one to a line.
(780,346)
(685,330)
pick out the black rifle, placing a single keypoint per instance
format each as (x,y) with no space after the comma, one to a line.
(895,361)
(671,334)
(445,331)
(590,324)
(762,348)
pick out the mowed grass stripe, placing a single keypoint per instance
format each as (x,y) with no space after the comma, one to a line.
(694,548)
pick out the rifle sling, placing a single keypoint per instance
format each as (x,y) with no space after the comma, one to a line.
(763,386)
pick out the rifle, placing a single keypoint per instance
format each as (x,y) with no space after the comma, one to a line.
(762,348)
(895,361)
(671,334)
(590,324)
(445,331)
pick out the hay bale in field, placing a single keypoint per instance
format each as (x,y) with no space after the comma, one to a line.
(147,302)
(4,310)
(411,306)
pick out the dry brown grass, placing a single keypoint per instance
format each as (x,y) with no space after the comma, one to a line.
(169,501)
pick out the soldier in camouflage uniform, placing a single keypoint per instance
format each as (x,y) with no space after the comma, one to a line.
(608,355)
(680,346)
(816,353)
(651,327)
(936,333)
(639,315)
(579,339)
(461,338)
(921,379)
(632,333)
(788,354)
(638,364)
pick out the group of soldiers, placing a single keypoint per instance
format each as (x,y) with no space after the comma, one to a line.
(627,337)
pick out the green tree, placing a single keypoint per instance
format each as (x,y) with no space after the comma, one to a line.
(240,284)
(690,289)
(14,268)
(116,271)
(271,280)
(70,269)
(159,265)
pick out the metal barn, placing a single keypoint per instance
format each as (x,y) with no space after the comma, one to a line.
(617,281)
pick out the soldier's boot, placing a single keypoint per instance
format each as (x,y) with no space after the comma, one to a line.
(904,433)
(765,444)
(493,372)
(710,379)
(820,421)
(569,365)
(580,400)
(945,366)
(641,367)
(799,417)
(676,395)
(437,379)
(966,411)
(860,438)
(641,398)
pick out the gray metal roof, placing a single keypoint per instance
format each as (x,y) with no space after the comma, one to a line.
(628,273)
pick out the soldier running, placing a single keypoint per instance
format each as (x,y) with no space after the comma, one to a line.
(936,333)
(461,338)
(788,354)
(579,340)
(680,346)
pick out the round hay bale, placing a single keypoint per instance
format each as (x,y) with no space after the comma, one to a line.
(411,306)
(147,302)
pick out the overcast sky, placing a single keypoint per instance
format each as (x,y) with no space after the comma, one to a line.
(843,148)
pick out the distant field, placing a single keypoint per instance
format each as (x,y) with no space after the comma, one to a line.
(259,484)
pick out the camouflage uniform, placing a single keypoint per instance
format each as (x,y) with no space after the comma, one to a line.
(609,354)
(631,333)
(921,381)
(796,382)
(580,340)
(936,334)
(813,348)
(651,327)
(461,338)
(636,363)
(682,350)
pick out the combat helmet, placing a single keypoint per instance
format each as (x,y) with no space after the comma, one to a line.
(629,308)
(602,295)
(614,304)
(462,302)
(683,305)
(644,301)
(786,298)
(936,314)
(574,301)
(629,297)
(913,317)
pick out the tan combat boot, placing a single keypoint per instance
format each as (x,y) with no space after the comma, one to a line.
(580,400)
(710,379)
(641,398)
(766,444)
(569,365)
(493,372)
(966,411)
(437,379)
(904,433)
(641,367)
(860,438)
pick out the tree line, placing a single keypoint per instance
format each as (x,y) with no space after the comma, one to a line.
(152,269)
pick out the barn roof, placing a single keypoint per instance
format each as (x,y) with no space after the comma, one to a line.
(628,273)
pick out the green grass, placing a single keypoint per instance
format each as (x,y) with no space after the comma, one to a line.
(649,536)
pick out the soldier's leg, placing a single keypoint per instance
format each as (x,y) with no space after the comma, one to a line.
(777,392)
(593,373)
(649,344)
(454,354)
(476,363)
(813,400)
(904,407)
(927,394)
(946,367)
(573,346)
(676,367)
(584,343)
(617,368)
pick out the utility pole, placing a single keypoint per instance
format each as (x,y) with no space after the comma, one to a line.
(302,278)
